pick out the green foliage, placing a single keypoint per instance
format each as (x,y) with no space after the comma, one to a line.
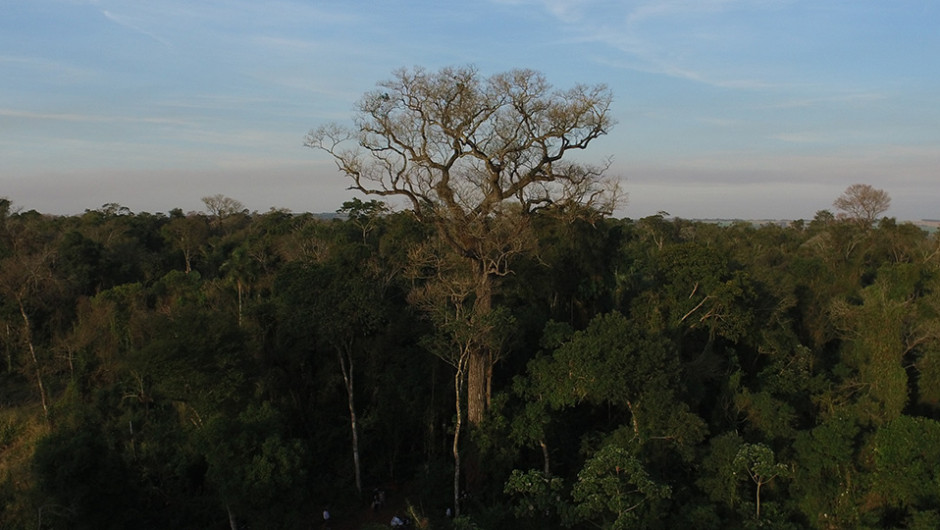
(464,522)
(613,486)
(924,520)
(258,472)
(659,373)
(906,452)
(928,370)
(83,481)
(758,461)
(773,417)
(826,483)
(614,362)
(611,361)
(720,480)
(537,496)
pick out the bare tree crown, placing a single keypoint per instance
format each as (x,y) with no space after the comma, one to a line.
(863,202)
(460,146)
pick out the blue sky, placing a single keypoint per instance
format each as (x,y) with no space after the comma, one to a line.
(725,108)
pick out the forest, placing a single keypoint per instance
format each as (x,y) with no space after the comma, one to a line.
(480,345)
(209,369)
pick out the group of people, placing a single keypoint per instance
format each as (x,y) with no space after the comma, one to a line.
(378,501)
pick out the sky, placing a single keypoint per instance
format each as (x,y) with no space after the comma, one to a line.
(749,109)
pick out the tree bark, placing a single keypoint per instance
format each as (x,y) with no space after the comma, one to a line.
(238,283)
(481,359)
(476,387)
(458,387)
(9,348)
(546,467)
(32,351)
(757,500)
(232,523)
(346,365)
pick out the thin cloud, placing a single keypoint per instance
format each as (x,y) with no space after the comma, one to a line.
(288,45)
(719,122)
(675,38)
(86,118)
(568,9)
(650,63)
(662,66)
(47,67)
(801,138)
(852,98)
(235,18)
(133,25)
(672,8)
(631,30)
(865,163)
(214,102)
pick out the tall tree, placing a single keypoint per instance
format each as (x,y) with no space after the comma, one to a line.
(222,208)
(474,157)
(758,461)
(188,234)
(863,203)
(344,308)
(446,295)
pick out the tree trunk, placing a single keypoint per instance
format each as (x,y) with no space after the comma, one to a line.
(32,351)
(633,420)
(431,434)
(232,523)
(458,386)
(239,287)
(476,386)
(481,359)
(546,467)
(346,365)
(490,363)
(9,348)
(757,500)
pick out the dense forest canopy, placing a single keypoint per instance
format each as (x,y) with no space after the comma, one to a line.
(210,370)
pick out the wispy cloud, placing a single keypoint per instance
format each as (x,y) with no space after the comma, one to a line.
(719,122)
(46,67)
(86,118)
(802,138)
(288,45)
(214,102)
(133,25)
(658,9)
(862,163)
(660,65)
(674,38)
(643,60)
(846,98)
(572,10)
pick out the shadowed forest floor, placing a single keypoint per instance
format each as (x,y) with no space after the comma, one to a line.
(397,503)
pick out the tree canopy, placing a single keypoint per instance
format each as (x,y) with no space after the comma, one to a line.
(653,373)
